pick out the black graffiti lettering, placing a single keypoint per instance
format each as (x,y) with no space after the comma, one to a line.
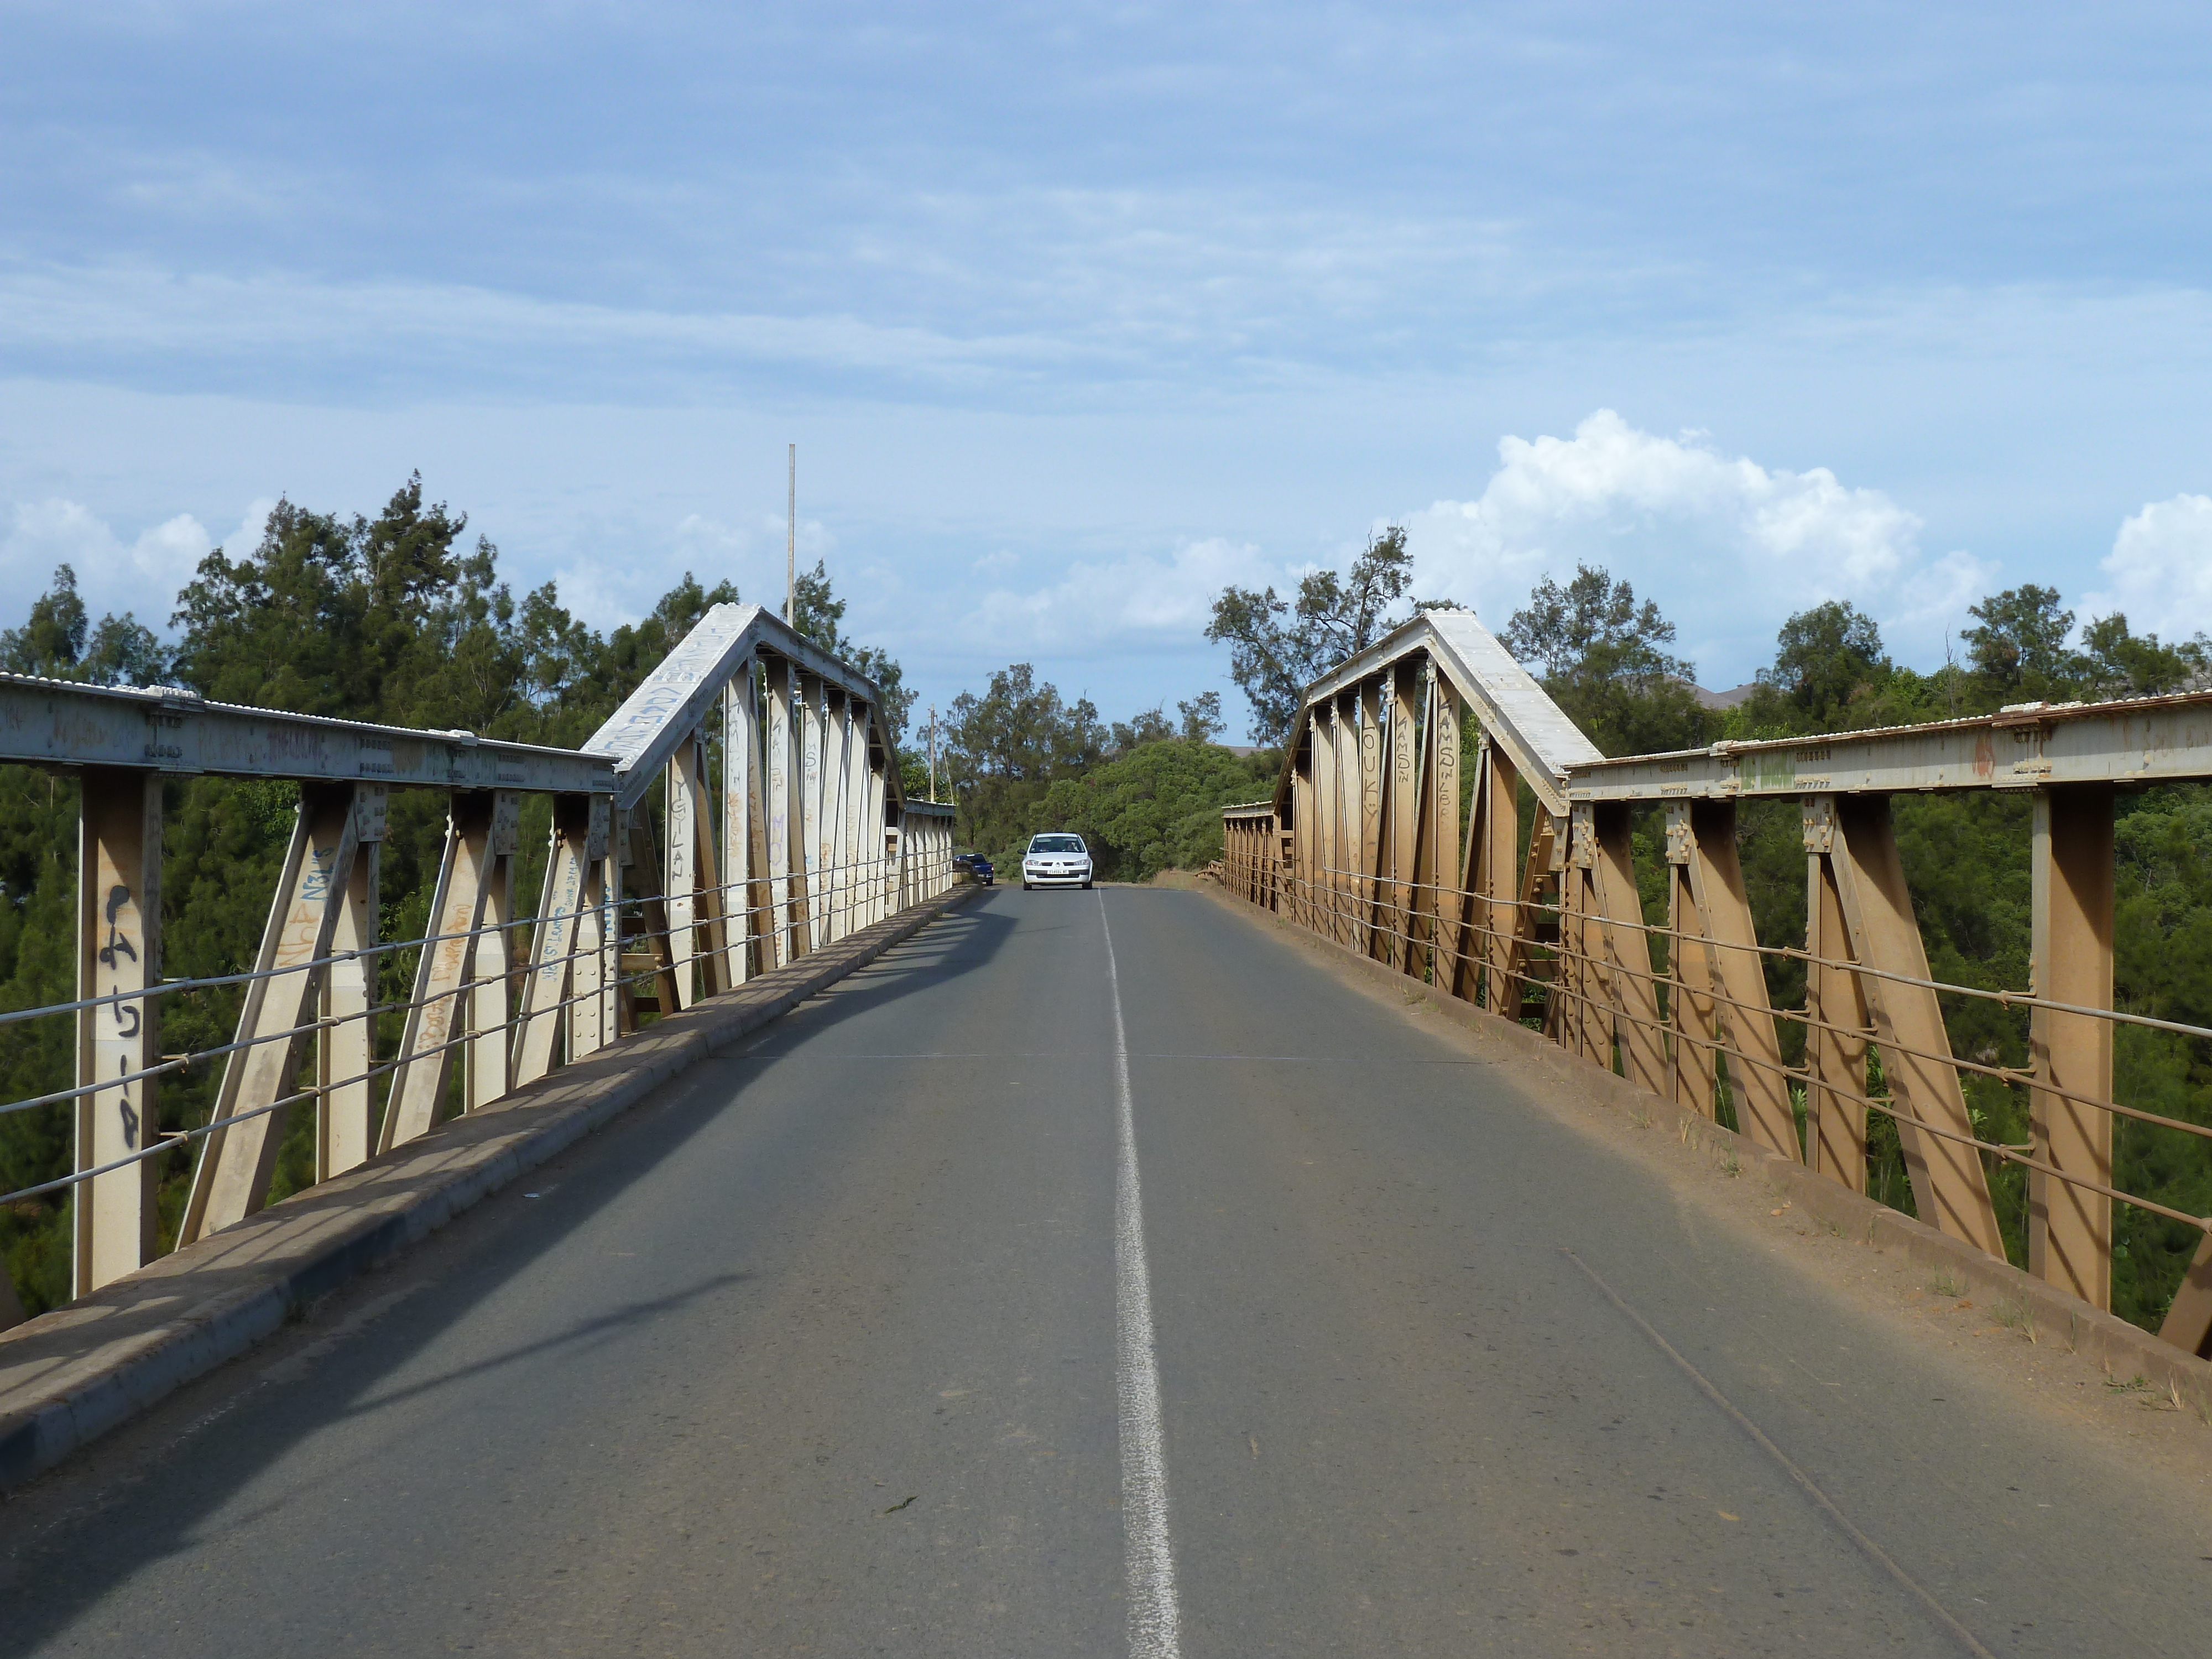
(126,1011)
(117,896)
(130,1116)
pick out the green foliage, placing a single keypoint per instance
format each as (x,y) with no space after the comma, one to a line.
(1005,748)
(1276,647)
(1157,807)
(395,619)
(1145,795)
(1607,659)
(58,642)
(1605,662)
(1965,858)
(2162,967)
(818,615)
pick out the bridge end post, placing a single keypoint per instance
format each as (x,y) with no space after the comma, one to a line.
(119,954)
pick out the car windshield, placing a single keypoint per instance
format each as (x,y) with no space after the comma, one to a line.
(1056,844)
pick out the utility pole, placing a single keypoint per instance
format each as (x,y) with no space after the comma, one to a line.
(932,754)
(791,546)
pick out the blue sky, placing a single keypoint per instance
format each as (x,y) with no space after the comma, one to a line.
(1077,312)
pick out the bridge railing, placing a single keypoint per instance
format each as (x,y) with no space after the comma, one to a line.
(1366,842)
(785,828)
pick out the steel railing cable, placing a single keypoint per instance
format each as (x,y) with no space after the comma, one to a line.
(850,896)
(1322,898)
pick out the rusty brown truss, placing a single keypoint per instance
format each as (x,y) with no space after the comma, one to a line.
(1364,842)
(787,828)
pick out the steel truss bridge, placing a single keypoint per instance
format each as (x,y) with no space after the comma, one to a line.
(787,828)
(1364,842)
(1211,1270)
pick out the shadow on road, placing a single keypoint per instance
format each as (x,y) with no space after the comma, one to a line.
(72,1539)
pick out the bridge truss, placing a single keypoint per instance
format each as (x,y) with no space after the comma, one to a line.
(782,826)
(1539,917)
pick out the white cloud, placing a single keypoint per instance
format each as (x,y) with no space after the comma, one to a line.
(2160,569)
(1728,548)
(141,576)
(1134,601)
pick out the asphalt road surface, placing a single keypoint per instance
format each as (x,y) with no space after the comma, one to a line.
(1098,1274)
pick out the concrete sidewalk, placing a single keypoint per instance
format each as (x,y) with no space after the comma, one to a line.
(72,1374)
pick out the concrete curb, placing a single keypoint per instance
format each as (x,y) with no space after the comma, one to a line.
(72,1374)
(2040,1311)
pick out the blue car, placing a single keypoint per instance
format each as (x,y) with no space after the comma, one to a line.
(974,866)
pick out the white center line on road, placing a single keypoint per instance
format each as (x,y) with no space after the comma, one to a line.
(1148,1559)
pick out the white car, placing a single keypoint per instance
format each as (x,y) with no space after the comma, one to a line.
(1055,861)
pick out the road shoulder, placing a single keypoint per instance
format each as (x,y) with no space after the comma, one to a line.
(2020,1334)
(71,1375)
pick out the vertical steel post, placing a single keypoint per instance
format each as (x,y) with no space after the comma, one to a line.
(836,784)
(1370,817)
(1440,866)
(231,1181)
(740,773)
(1949,1188)
(782,794)
(1345,885)
(874,817)
(1628,952)
(683,783)
(1587,1017)
(1321,839)
(441,973)
(1835,1059)
(810,859)
(1403,811)
(591,1015)
(119,953)
(555,947)
(1496,855)
(345,1052)
(2069,1228)
(1757,1082)
(1300,836)
(491,963)
(1692,1013)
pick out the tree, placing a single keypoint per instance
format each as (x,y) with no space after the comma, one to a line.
(396,618)
(817,617)
(57,641)
(1146,726)
(1154,808)
(1003,749)
(51,641)
(1826,658)
(1201,717)
(2019,651)
(1278,648)
(1593,624)
(2118,664)
(1605,662)
(1021,730)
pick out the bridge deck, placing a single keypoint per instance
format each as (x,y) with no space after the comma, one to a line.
(819,1354)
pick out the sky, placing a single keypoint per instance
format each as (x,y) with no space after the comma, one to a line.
(1078,314)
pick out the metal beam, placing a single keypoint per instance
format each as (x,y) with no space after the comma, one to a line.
(2150,740)
(345,1109)
(1949,1188)
(441,973)
(231,1181)
(119,950)
(680,693)
(1502,697)
(1837,1015)
(2069,1228)
(57,723)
